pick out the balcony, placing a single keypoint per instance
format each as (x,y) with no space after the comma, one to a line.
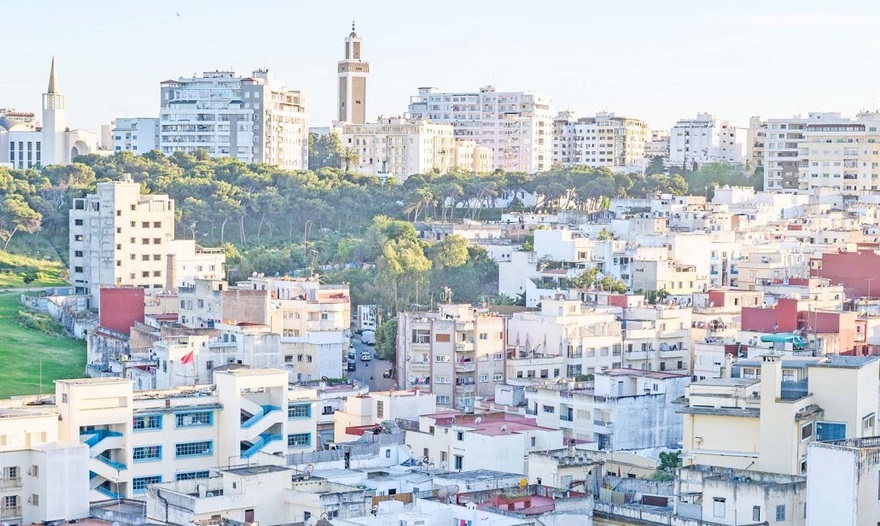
(465,367)
(10,512)
(10,482)
(465,389)
(566,418)
(601,425)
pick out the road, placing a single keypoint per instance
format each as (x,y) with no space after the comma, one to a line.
(372,369)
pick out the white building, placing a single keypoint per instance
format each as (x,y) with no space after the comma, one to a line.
(42,478)
(517,126)
(120,237)
(395,147)
(253,119)
(137,135)
(620,409)
(705,139)
(604,140)
(24,144)
(844,478)
(371,409)
(497,441)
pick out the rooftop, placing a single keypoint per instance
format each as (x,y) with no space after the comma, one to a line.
(250,471)
(622,371)
(728,382)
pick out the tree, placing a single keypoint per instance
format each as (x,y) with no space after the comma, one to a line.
(16,214)
(655,166)
(386,340)
(605,235)
(451,252)
(347,158)
(670,461)
(324,150)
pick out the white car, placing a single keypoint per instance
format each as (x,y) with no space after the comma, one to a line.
(365,356)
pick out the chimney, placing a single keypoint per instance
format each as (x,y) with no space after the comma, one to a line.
(771,377)
(727,369)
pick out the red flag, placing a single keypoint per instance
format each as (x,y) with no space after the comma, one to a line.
(188,358)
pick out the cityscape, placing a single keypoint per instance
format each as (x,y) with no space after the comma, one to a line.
(441,295)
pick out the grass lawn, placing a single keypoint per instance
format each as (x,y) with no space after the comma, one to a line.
(13,267)
(22,349)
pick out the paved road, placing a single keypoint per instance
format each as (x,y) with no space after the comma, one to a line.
(374,368)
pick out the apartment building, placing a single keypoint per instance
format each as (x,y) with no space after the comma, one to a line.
(516,126)
(844,478)
(657,338)
(455,353)
(840,154)
(766,420)
(472,157)
(254,494)
(42,478)
(657,144)
(756,136)
(253,119)
(313,319)
(496,441)
(371,409)
(823,151)
(562,340)
(120,237)
(137,135)
(603,140)
(618,409)
(706,139)
(396,147)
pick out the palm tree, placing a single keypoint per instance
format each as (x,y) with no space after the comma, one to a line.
(348,157)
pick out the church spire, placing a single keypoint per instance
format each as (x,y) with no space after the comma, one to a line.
(52,84)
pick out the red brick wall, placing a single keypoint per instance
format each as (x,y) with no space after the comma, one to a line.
(120,308)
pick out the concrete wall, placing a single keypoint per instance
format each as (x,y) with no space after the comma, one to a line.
(120,307)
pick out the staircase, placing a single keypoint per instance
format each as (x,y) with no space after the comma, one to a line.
(249,449)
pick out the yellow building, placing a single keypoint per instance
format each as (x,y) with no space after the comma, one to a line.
(765,420)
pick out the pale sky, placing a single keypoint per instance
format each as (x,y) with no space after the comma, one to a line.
(657,60)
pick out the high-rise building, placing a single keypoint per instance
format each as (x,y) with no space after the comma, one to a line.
(137,135)
(120,237)
(706,139)
(23,144)
(604,140)
(395,147)
(517,126)
(823,150)
(755,138)
(253,119)
(353,74)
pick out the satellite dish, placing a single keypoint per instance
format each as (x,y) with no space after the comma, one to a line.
(478,420)
(307,472)
(426,460)
(523,482)
(447,491)
(504,428)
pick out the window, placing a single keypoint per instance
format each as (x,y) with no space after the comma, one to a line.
(458,462)
(35,471)
(868,424)
(200,418)
(34,500)
(780,513)
(380,409)
(718,507)
(139,484)
(328,410)
(497,377)
(299,411)
(442,338)
(157,241)
(484,335)
(807,431)
(145,224)
(10,502)
(189,475)
(147,453)
(194,449)
(756,513)
(147,422)
(483,378)
(549,409)
(459,435)
(11,473)
(830,431)
(498,356)
(299,440)
(534,441)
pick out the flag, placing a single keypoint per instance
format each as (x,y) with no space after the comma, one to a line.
(188,358)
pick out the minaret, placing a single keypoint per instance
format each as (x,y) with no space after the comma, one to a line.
(54,149)
(353,81)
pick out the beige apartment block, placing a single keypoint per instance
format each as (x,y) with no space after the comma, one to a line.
(767,422)
(456,353)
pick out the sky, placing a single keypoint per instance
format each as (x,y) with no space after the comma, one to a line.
(657,60)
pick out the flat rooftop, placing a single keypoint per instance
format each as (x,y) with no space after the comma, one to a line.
(250,471)
(624,371)
(728,382)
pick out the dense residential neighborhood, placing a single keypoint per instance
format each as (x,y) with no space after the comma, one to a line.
(487,308)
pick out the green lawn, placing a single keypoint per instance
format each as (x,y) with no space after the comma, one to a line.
(13,268)
(21,351)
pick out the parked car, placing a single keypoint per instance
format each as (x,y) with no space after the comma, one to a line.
(368,337)
(365,356)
